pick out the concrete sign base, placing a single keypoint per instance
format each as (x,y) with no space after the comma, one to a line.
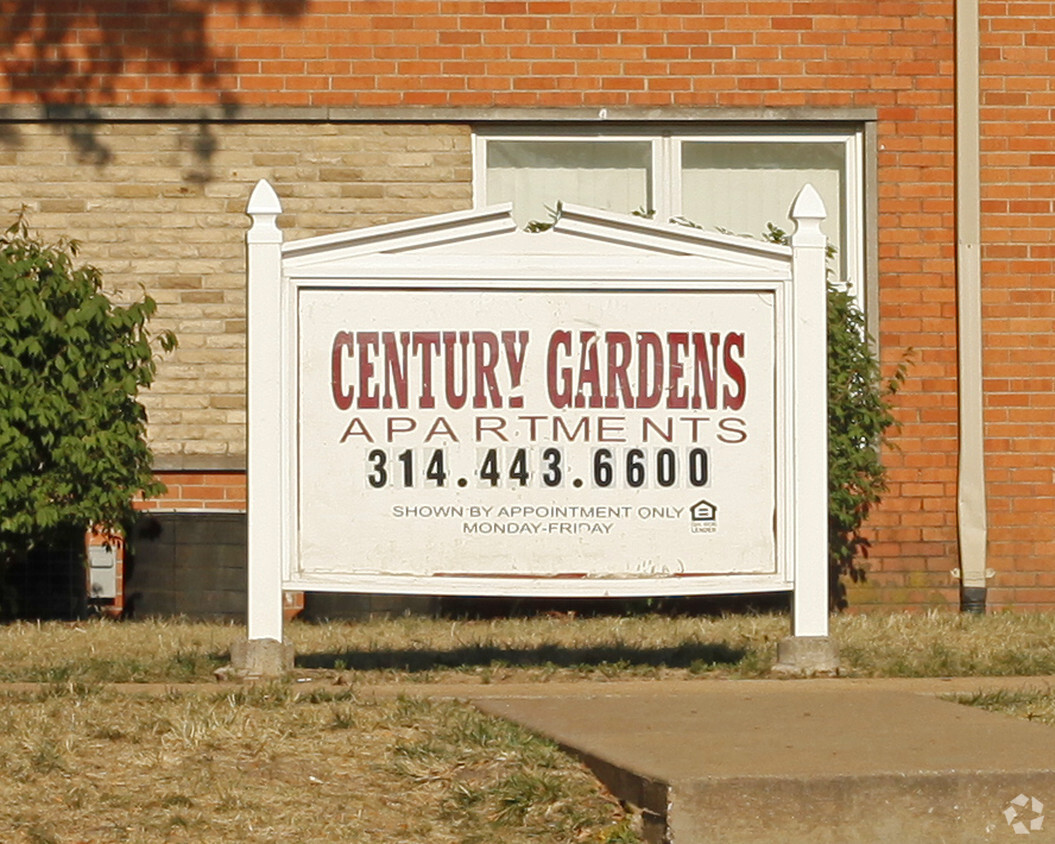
(253,659)
(807,656)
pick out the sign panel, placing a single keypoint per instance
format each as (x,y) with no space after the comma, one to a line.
(616,407)
(536,433)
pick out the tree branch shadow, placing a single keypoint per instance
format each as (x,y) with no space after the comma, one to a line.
(74,58)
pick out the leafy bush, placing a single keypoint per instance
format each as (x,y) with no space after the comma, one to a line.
(73,452)
(859,416)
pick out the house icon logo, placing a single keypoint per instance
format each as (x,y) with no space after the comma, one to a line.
(704,516)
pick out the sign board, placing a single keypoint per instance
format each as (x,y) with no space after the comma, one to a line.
(451,406)
(514,433)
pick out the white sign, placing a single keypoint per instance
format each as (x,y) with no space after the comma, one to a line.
(612,408)
(508,433)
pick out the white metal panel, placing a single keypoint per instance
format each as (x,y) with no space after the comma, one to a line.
(102,571)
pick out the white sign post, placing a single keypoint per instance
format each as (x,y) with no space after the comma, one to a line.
(615,407)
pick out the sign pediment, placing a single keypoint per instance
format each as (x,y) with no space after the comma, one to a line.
(583,238)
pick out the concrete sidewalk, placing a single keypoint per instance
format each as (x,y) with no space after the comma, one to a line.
(800,760)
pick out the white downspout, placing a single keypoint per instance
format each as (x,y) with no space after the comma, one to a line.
(971,516)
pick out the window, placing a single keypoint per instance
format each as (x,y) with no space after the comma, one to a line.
(723,178)
(534,174)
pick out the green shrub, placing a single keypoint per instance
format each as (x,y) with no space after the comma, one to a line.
(859,416)
(73,452)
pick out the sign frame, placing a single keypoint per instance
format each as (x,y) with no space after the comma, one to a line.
(587,250)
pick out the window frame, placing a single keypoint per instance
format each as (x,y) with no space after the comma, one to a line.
(667,139)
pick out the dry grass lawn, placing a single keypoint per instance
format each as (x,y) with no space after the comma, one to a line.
(552,647)
(84,761)
(266,764)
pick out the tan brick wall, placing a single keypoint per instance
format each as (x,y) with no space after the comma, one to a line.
(163,209)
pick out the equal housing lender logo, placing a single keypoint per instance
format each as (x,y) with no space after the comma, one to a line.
(704,516)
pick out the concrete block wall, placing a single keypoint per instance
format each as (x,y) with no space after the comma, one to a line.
(160,203)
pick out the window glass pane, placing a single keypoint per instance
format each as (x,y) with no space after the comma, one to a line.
(535,175)
(742,185)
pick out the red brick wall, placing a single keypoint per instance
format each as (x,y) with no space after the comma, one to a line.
(894,57)
(199,491)
(1018,157)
